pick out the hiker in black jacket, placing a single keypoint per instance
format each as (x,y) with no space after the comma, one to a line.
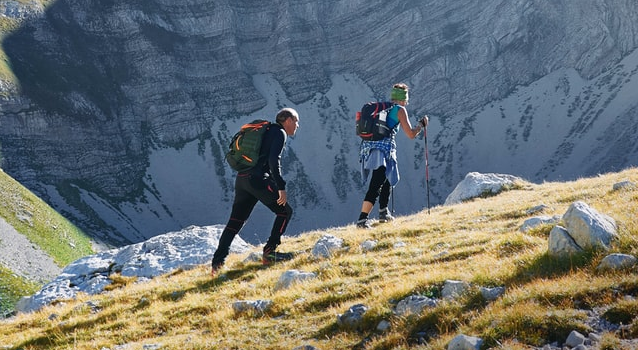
(379,157)
(265,184)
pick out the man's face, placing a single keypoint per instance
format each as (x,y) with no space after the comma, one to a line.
(291,125)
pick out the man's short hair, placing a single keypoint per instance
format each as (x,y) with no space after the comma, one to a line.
(286,113)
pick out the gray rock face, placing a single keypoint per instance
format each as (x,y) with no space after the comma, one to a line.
(159,255)
(520,87)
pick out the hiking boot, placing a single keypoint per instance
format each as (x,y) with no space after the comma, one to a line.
(215,269)
(364,223)
(271,256)
(385,216)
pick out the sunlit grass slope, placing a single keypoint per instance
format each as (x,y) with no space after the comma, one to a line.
(478,242)
(42,226)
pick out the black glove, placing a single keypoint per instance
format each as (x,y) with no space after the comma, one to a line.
(423,121)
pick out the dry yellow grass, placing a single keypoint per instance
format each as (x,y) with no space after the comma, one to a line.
(477,241)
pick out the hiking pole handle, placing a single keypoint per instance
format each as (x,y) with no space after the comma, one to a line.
(424,121)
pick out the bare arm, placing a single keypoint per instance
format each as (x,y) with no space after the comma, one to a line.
(406,126)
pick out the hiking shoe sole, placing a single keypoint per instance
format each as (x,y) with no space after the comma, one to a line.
(364,224)
(275,257)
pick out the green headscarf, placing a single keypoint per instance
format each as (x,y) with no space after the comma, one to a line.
(398,94)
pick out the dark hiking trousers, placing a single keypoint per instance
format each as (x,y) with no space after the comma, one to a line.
(379,187)
(248,191)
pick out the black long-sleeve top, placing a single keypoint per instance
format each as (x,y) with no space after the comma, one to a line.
(272,147)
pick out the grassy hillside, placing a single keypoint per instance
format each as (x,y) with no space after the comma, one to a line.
(6,25)
(477,242)
(12,288)
(42,226)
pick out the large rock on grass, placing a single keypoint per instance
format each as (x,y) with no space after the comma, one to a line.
(477,185)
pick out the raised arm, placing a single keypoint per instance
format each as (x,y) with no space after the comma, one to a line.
(405,124)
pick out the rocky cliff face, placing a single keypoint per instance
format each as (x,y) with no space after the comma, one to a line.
(119,112)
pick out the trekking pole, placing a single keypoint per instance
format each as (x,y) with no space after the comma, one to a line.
(392,193)
(427,172)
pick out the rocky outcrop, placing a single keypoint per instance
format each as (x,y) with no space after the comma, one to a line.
(476,185)
(159,255)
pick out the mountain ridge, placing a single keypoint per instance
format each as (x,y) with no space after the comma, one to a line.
(101,86)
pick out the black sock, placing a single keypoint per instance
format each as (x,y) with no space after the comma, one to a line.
(363,216)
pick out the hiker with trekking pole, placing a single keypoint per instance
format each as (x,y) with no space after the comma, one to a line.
(377,125)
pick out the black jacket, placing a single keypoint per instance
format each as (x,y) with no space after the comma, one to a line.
(269,163)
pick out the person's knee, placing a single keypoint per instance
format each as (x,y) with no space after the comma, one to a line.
(371,197)
(282,211)
(235,224)
(288,211)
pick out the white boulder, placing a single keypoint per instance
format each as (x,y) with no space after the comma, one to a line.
(588,227)
(477,184)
